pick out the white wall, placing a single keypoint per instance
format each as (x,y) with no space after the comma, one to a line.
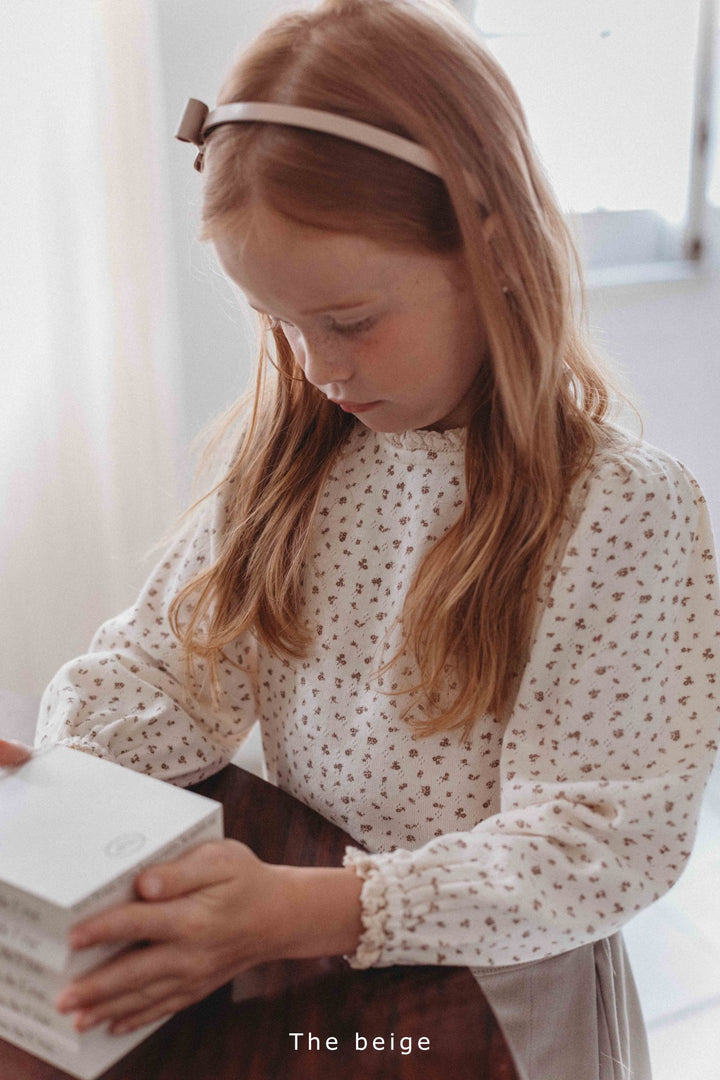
(665,336)
(197,42)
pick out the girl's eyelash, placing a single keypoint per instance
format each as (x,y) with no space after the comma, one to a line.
(354,328)
(338,328)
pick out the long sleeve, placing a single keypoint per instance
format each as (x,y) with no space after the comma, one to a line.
(127,699)
(606,753)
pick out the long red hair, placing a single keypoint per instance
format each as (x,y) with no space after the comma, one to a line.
(417,69)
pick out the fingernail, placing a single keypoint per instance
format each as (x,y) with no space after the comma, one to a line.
(152,886)
(79,939)
(120,1029)
(84,1021)
(67,1002)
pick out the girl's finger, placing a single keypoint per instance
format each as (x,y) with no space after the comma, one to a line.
(162,1010)
(131,922)
(124,975)
(13,753)
(153,997)
(205,865)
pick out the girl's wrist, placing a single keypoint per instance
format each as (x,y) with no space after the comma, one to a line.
(319,911)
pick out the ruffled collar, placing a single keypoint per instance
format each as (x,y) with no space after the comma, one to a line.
(441,442)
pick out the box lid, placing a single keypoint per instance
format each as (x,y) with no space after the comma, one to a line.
(70,823)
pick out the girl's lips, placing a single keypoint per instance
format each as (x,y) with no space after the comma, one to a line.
(355,406)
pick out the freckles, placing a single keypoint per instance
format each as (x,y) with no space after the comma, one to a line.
(392,344)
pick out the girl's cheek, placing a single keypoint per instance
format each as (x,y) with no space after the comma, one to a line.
(384,350)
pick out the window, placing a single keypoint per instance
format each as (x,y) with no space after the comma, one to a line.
(617,96)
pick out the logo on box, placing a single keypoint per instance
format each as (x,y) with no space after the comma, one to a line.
(125,844)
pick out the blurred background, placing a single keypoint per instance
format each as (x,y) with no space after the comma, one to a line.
(120,340)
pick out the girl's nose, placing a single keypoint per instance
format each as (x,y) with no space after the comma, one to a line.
(324,363)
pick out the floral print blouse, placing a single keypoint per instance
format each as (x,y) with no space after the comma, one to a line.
(528,838)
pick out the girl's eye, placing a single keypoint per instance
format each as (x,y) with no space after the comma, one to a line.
(355,327)
(337,327)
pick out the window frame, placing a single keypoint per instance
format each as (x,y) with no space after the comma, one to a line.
(692,241)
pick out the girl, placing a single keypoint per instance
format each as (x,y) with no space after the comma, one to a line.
(478,624)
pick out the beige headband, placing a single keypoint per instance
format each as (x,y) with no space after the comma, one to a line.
(197,122)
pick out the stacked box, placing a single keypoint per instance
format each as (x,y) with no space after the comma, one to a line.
(74,832)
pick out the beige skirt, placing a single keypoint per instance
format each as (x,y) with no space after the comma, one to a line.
(576,1016)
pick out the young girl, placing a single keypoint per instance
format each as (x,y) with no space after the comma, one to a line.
(477,623)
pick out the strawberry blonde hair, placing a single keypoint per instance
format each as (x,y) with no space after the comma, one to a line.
(414,68)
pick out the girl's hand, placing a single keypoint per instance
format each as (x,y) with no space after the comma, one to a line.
(214,912)
(204,918)
(13,753)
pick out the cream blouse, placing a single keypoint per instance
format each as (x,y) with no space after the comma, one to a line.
(521,842)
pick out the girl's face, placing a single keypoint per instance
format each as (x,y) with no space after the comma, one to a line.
(389,334)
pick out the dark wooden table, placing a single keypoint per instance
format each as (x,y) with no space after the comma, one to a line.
(242,1031)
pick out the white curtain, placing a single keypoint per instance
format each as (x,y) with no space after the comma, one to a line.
(88,392)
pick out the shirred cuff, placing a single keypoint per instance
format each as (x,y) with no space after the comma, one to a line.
(373,909)
(77,743)
(385,907)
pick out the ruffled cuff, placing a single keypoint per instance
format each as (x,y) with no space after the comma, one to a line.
(373,912)
(392,901)
(46,742)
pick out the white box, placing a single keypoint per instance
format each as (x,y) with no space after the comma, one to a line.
(74,832)
(86,1056)
(30,986)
